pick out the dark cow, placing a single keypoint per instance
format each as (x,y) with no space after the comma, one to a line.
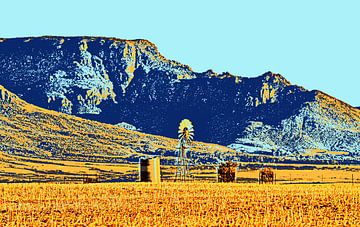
(266,175)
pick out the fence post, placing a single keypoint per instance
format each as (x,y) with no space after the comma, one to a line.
(259,178)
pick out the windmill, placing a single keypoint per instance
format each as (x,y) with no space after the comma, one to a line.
(186,136)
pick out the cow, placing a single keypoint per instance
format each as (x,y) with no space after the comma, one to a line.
(266,175)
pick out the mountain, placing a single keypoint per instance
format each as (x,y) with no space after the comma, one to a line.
(119,81)
(30,131)
(325,123)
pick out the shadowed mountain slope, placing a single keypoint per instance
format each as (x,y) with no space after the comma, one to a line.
(31,131)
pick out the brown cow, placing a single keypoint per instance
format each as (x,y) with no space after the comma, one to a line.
(226,172)
(266,175)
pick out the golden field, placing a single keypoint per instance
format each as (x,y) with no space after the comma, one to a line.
(169,204)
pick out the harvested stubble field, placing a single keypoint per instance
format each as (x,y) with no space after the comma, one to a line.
(169,204)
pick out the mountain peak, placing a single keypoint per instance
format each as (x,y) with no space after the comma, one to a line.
(275,76)
(210,73)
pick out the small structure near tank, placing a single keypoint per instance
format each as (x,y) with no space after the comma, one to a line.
(149,170)
(266,175)
(226,172)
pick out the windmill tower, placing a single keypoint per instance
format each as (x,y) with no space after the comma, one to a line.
(186,136)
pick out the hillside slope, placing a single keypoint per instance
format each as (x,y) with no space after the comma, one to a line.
(113,81)
(325,124)
(30,131)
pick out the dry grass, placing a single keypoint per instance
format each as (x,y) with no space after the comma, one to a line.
(169,204)
(315,175)
(23,169)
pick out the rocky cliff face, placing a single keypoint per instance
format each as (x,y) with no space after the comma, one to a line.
(114,81)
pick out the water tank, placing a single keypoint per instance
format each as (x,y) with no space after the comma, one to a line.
(149,170)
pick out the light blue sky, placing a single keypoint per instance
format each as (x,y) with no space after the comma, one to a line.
(315,44)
